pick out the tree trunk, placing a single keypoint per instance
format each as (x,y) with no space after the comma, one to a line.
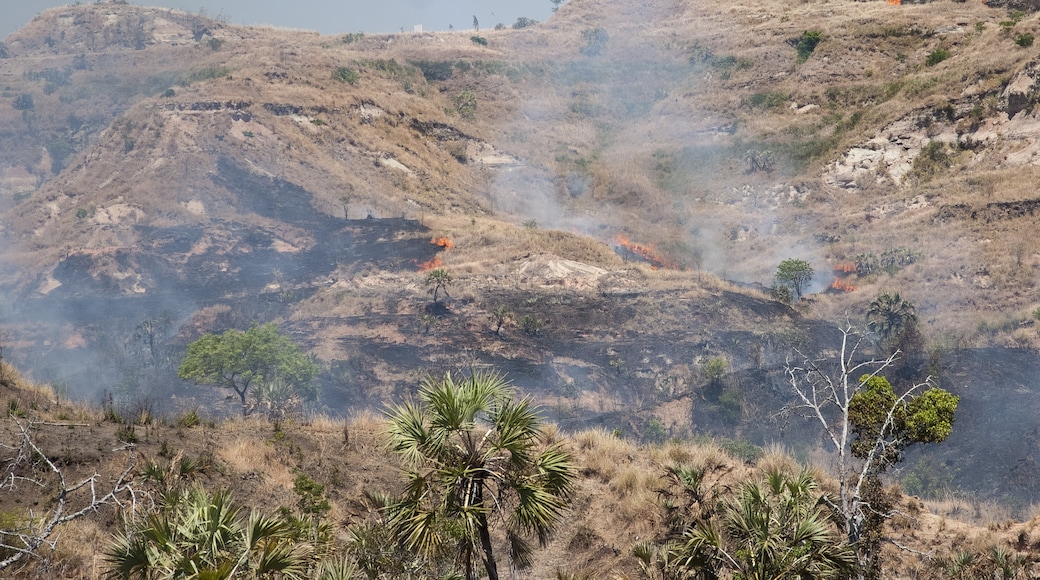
(485,542)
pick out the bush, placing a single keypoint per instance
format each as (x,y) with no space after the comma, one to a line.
(1024,40)
(353,37)
(346,75)
(936,56)
(24,102)
(766,100)
(466,104)
(479,40)
(523,22)
(806,44)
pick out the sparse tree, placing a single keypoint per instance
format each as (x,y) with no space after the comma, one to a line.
(153,332)
(867,425)
(476,23)
(475,455)
(438,281)
(237,360)
(556,4)
(794,274)
(498,316)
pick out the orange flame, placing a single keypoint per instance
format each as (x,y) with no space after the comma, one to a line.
(842,285)
(443,242)
(646,252)
(845,267)
(895,2)
(430,264)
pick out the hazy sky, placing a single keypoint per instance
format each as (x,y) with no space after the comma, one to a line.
(324,16)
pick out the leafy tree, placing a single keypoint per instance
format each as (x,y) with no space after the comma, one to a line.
(777,528)
(474,452)
(238,360)
(794,274)
(868,426)
(438,280)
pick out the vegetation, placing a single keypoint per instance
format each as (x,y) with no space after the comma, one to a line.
(894,324)
(936,56)
(437,281)
(794,275)
(474,455)
(806,44)
(346,75)
(259,356)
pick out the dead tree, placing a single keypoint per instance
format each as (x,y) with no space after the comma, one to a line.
(27,466)
(866,425)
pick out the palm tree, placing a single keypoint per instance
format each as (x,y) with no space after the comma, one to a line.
(198,535)
(472,451)
(771,529)
(889,317)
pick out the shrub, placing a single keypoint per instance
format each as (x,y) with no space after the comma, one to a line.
(766,100)
(168,93)
(479,40)
(466,104)
(936,56)
(530,324)
(81,213)
(353,37)
(523,22)
(346,75)
(215,43)
(24,102)
(1024,40)
(806,44)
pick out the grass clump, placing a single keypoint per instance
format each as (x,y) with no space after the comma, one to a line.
(936,56)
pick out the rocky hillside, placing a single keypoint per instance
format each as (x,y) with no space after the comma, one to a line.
(623,178)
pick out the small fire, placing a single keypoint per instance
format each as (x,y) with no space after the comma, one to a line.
(842,285)
(646,252)
(443,242)
(430,264)
(845,267)
(895,2)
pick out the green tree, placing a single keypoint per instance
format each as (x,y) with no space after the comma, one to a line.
(868,426)
(794,274)
(473,452)
(776,528)
(894,323)
(237,360)
(438,280)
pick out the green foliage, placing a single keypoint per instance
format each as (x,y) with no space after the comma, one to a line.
(465,104)
(479,40)
(655,431)
(806,44)
(1025,40)
(435,70)
(438,281)
(531,325)
(894,323)
(715,369)
(794,274)
(352,37)
(168,93)
(474,455)
(214,44)
(524,22)
(766,100)
(530,224)
(594,40)
(885,425)
(781,293)
(189,419)
(346,75)
(498,316)
(4,53)
(775,528)
(933,161)
(81,213)
(238,360)
(198,535)
(936,56)
(731,404)
(205,74)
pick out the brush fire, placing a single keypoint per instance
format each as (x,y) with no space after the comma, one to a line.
(628,249)
(841,272)
(443,242)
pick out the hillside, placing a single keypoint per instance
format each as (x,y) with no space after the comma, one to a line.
(624,178)
(616,503)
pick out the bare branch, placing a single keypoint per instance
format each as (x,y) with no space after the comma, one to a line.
(38,531)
